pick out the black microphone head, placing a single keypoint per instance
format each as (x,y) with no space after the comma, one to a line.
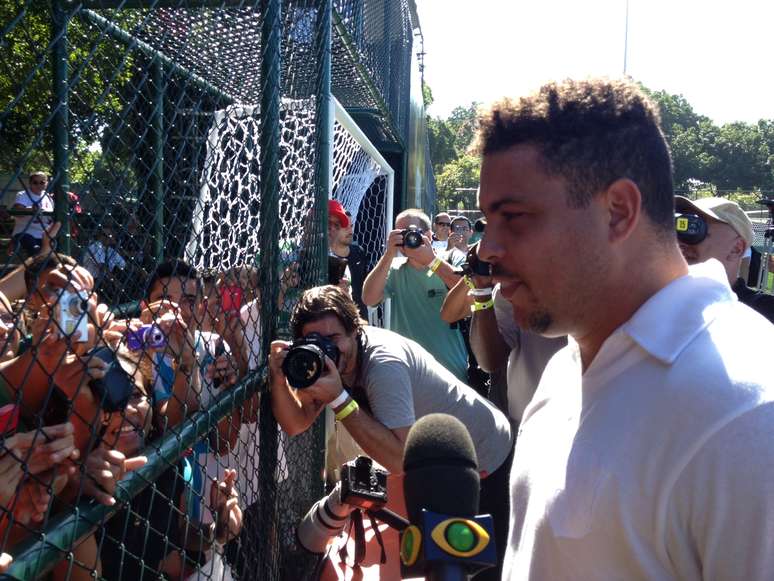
(441,468)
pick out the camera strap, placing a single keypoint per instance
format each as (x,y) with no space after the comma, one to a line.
(358,536)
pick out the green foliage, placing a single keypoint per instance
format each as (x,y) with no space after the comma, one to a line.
(463,172)
(708,159)
(99,72)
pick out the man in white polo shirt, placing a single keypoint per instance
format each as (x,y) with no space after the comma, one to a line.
(647,451)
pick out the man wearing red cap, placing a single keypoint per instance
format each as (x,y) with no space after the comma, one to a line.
(341,230)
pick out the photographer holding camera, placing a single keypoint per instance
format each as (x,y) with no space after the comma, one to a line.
(461,233)
(378,384)
(417,280)
(718,228)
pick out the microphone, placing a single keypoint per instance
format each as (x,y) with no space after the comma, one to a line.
(446,540)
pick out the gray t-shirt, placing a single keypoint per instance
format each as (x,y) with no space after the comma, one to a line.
(403,383)
(529,356)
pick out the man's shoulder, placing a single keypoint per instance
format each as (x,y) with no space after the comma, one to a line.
(760,301)
(356,252)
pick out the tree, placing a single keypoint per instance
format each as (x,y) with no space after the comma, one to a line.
(100,71)
(463,172)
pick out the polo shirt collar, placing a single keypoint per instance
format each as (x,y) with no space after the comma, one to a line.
(667,322)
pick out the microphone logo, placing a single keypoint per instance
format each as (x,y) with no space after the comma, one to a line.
(465,541)
(460,537)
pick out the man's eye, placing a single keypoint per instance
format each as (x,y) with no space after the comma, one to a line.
(513,215)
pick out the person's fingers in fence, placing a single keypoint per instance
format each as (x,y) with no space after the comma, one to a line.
(223,370)
(224,499)
(5,562)
(75,372)
(104,469)
(35,494)
(251,409)
(11,473)
(53,446)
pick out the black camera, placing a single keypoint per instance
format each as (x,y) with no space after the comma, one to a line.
(480,225)
(412,237)
(362,485)
(691,228)
(474,266)
(305,361)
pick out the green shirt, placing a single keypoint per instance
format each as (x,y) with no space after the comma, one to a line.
(416,314)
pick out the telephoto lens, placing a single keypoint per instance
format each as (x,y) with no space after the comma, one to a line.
(412,237)
(305,361)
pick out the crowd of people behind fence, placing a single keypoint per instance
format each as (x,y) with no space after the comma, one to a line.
(86,393)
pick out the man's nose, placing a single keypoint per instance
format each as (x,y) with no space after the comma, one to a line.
(489,249)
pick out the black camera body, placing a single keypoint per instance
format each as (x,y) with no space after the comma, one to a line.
(474,266)
(363,485)
(305,361)
(691,228)
(412,237)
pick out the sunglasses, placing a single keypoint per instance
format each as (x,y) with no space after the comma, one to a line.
(444,224)
(38,183)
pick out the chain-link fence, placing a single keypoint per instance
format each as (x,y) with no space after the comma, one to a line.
(164,172)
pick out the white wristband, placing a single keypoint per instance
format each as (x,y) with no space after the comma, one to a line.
(343,396)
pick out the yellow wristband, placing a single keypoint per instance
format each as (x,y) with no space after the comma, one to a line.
(476,306)
(433,266)
(347,411)
(470,283)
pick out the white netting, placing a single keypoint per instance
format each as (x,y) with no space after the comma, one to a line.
(226,219)
(360,184)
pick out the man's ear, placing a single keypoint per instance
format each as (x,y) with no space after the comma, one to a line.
(623,201)
(738,248)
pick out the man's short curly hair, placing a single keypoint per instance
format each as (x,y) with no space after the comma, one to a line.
(591,133)
(322,301)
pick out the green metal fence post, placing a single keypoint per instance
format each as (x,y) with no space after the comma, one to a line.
(271,46)
(157,174)
(324,129)
(324,187)
(60,121)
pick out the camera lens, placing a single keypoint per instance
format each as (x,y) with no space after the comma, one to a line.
(74,306)
(303,365)
(412,239)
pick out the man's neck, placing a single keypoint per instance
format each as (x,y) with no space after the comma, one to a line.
(340,250)
(622,299)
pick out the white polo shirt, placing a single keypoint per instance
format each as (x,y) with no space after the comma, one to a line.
(658,461)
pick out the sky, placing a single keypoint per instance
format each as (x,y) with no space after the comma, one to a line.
(718,54)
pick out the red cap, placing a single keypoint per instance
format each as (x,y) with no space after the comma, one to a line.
(336,210)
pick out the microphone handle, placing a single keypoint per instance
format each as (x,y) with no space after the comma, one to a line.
(446,572)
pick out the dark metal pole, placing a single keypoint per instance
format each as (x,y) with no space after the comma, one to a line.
(157,174)
(324,130)
(59,123)
(267,553)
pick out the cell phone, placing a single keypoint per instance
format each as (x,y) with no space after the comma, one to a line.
(9,419)
(114,390)
(72,307)
(231,298)
(337,266)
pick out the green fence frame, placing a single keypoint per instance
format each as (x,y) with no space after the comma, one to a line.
(39,553)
